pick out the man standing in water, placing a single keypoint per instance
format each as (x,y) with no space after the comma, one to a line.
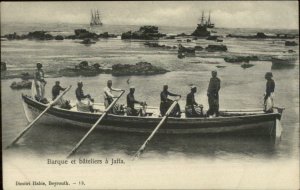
(165,103)
(39,82)
(270,87)
(108,96)
(213,94)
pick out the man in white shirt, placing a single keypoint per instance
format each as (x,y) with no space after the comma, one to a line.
(108,96)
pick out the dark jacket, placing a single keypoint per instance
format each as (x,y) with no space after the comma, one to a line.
(55,91)
(270,87)
(190,99)
(214,86)
(131,100)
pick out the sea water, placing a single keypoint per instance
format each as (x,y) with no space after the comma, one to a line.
(240,88)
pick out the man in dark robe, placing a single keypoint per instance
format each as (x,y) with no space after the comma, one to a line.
(130,103)
(56,90)
(84,102)
(270,87)
(192,108)
(213,94)
(165,103)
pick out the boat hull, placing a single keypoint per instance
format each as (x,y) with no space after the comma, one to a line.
(260,124)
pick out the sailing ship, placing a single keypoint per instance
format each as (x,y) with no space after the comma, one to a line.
(206,23)
(95,18)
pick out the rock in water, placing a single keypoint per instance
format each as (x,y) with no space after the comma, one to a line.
(141,68)
(84,69)
(144,33)
(25,84)
(239,59)
(59,37)
(290,43)
(213,48)
(3,66)
(39,35)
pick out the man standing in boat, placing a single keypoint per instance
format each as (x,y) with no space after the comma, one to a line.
(131,101)
(108,96)
(213,94)
(165,102)
(269,95)
(39,82)
(85,102)
(192,108)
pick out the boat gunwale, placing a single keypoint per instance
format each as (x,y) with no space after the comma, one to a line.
(216,119)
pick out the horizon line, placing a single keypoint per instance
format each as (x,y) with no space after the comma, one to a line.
(182,26)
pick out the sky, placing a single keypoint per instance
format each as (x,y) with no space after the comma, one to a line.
(230,14)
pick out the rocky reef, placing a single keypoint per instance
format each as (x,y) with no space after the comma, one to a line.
(185,50)
(44,35)
(261,35)
(240,59)
(201,31)
(214,48)
(246,65)
(141,68)
(83,69)
(25,84)
(157,45)
(144,33)
(290,43)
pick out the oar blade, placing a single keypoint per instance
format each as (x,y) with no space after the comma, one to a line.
(37,118)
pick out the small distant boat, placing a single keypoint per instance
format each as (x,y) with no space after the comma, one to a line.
(284,60)
(95,18)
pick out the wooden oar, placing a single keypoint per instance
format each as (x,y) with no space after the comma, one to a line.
(38,117)
(94,126)
(138,153)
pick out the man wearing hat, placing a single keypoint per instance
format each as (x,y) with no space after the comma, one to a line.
(165,102)
(131,101)
(192,109)
(213,94)
(270,87)
(84,102)
(39,82)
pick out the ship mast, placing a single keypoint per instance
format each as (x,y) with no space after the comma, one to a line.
(208,21)
(202,18)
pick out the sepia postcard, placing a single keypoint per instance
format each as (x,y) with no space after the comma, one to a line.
(150,95)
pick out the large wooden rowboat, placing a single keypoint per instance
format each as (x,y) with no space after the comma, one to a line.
(242,123)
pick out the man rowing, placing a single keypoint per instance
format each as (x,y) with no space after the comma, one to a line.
(40,83)
(130,103)
(56,91)
(165,103)
(108,96)
(269,94)
(84,102)
(213,94)
(192,108)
